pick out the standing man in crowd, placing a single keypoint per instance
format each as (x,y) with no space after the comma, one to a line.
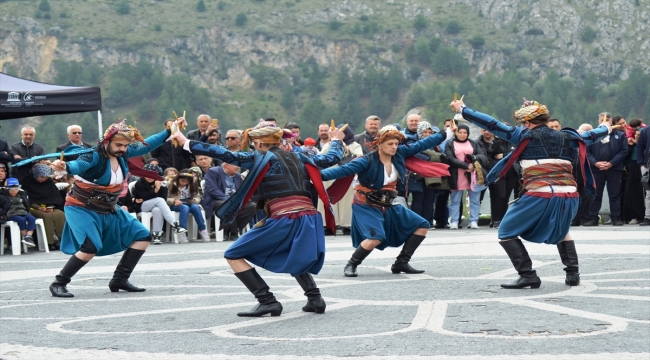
(373,123)
(411,131)
(6,156)
(25,149)
(233,140)
(323,136)
(170,156)
(74,138)
(606,161)
(555,124)
(203,122)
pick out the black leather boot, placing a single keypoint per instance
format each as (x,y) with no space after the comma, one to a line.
(401,264)
(256,285)
(124,269)
(315,302)
(357,257)
(522,262)
(569,256)
(58,288)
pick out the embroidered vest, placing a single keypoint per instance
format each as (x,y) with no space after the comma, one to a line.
(286,176)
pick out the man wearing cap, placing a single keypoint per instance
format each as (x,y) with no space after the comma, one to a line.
(95,225)
(290,240)
(376,223)
(543,213)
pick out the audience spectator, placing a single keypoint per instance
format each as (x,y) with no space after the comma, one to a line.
(633,208)
(606,159)
(204,163)
(582,215)
(643,161)
(441,210)
(170,156)
(309,148)
(323,136)
(150,195)
(220,183)
(183,197)
(25,149)
(46,203)
(372,125)
(14,206)
(461,153)
(294,128)
(212,134)
(496,149)
(6,156)
(411,130)
(125,200)
(3,174)
(74,138)
(203,121)
(169,174)
(424,196)
(233,140)
(554,124)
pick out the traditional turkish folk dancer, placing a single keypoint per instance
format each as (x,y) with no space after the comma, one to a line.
(376,223)
(291,239)
(95,224)
(544,212)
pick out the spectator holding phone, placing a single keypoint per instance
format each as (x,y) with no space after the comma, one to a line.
(183,196)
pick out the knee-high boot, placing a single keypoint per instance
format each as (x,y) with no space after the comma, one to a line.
(569,256)
(123,271)
(401,264)
(256,285)
(315,302)
(524,265)
(357,258)
(58,288)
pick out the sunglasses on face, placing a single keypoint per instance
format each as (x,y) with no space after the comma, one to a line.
(232,138)
(76,133)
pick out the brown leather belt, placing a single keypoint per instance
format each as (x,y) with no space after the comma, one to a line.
(101,202)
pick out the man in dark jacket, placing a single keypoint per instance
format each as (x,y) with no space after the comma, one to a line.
(74,138)
(606,161)
(170,156)
(373,123)
(642,158)
(220,183)
(6,156)
(24,150)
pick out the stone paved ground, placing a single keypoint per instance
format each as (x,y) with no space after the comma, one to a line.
(456,310)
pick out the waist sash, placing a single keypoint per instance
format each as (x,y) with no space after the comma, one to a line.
(100,199)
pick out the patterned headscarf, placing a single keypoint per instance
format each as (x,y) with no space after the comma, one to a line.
(423,125)
(530,110)
(120,129)
(267,133)
(41,170)
(153,167)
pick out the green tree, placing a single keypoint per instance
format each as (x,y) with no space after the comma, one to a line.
(334,25)
(477,41)
(349,105)
(588,34)
(448,61)
(44,6)
(123,7)
(590,87)
(423,51)
(221,5)
(417,97)
(342,77)
(287,101)
(394,82)
(453,27)
(379,104)
(241,19)
(420,22)
(145,110)
(434,44)
(121,92)
(200,6)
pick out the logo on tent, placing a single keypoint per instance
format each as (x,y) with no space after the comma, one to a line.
(13,96)
(28,97)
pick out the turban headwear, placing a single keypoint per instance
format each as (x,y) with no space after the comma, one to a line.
(423,125)
(121,130)
(530,111)
(266,132)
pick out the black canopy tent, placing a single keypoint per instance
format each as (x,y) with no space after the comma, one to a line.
(22,98)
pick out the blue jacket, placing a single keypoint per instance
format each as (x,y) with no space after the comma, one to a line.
(643,147)
(215,187)
(96,168)
(371,170)
(615,151)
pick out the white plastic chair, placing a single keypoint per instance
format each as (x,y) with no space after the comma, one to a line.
(16,237)
(145,217)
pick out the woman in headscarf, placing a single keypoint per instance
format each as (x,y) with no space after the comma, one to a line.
(46,203)
(461,155)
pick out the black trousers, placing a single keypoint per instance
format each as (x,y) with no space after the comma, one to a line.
(441,212)
(243,218)
(611,179)
(423,202)
(500,194)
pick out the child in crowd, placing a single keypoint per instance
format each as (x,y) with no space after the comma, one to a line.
(309,148)
(183,197)
(150,195)
(14,206)
(169,174)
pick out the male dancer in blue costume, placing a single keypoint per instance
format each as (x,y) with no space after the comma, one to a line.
(376,223)
(290,240)
(544,212)
(95,225)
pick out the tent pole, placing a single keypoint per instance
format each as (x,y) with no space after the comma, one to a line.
(100,127)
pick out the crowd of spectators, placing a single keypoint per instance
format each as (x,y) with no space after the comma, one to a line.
(199,185)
